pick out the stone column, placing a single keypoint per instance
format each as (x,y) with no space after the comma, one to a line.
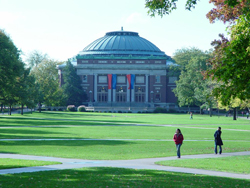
(114,95)
(95,87)
(146,100)
(109,95)
(132,95)
(128,92)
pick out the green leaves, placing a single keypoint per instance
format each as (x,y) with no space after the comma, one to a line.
(165,7)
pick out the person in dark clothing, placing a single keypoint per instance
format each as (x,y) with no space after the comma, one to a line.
(178,139)
(218,140)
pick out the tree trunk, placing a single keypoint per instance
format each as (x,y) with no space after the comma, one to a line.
(234,116)
(2,108)
(10,110)
(39,107)
(22,109)
(210,110)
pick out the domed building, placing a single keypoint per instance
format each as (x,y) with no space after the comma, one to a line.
(124,69)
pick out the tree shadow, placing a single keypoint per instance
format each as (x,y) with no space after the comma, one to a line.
(116,177)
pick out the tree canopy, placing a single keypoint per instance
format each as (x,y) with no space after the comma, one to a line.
(72,88)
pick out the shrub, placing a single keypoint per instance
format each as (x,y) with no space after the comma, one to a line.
(71,108)
(110,111)
(49,109)
(54,109)
(160,110)
(139,112)
(172,110)
(60,109)
(119,111)
(81,108)
(129,111)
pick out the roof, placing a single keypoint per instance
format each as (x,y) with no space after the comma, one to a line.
(122,43)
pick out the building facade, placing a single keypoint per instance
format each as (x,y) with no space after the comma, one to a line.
(122,69)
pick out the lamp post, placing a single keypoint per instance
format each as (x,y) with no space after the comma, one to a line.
(152,97)
(90,96)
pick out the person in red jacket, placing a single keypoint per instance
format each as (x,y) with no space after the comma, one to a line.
(178,139)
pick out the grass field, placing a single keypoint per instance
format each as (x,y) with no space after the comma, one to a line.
(198,134)
(118,136)
(235,164)
(115,178)
(6,163)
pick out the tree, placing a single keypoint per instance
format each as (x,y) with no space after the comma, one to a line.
(11,68)
(165,7)
(27,93)
(47,80)
(230,62)
(192,89)
(72,88)
(35,58)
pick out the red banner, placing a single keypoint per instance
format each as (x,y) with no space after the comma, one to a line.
(129,80)
(109,81)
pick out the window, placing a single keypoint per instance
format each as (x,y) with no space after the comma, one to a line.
(172,80)
(102,61)
(139,79)
(103,79)
(157,79)
(84,78)
(139,61)
(121,79)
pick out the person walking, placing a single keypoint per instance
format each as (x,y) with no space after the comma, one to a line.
(178,139)
(247,114)
(218,140)
(191,115)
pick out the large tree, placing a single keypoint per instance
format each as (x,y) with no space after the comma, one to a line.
(231,58)
(72,88)
(47,81)
(192,89)
(11,68)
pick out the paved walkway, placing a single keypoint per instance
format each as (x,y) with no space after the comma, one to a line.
(132,164)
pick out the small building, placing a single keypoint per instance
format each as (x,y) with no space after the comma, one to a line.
(124,69)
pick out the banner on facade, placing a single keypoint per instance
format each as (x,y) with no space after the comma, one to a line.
(109,81)
(129,80)
(132,81)
(114,81)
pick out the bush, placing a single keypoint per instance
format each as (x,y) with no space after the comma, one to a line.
(60,109)
(54,109)
(71,108)
(49,109)
(160,110)
(139,112)
(110,111)
(172,110)
(81,108)
(119,111)
(129,111)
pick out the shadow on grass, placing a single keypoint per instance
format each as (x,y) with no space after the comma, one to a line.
(116,177)
(65,143)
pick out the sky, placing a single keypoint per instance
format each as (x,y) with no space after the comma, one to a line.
(62,28)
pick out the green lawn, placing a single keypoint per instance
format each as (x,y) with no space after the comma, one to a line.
(6,163)
(236,164)
(198,134)
(116,177)
(75,125)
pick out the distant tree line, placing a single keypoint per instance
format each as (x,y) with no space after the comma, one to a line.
(36,84)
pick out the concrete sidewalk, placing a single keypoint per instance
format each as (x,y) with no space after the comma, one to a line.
(132,164)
